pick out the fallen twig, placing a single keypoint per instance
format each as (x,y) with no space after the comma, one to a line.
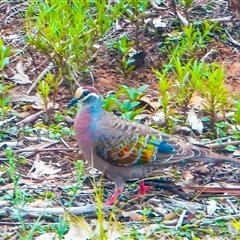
(31,118)
(40,77)
(155,6)
(180,221)
(40,148)
(89,210)
(204,58)
(7,120)
(232,206)
(224,144)
(222,20)
(214,219)
(183,20)
(230,38)
(45,150)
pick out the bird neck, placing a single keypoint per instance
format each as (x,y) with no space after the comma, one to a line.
(94,108)
(87,119)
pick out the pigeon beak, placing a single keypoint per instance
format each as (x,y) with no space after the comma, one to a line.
(72,102)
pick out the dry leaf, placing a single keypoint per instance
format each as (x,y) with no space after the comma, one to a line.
(201,169)
(40,104)
(183,20)
(39,203)
(24,114)
(158,22)
(236,153)
(133,215)
(211,207)
(46,236)
(42,169)
(197,101)
(187,175)
(18,96)
(152,104)
(159,117)
(11,144)
(148,230)
(144,117)
(170,216)
(30,119)
(193,120)
(111,229)
(232,228)
(234,5)
(79,229)
(20,77)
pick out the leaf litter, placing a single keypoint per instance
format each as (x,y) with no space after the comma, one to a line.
(169,210)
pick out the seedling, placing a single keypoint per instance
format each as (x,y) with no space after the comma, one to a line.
(214,92)
(44,91)
(134,94)
(135,12)
(187,4)
(67,33)
(79,179)
(165,99)
(5,52)
(129,105)
(4,100)
(124,46)
(191,42)
(53,84)
(236,116)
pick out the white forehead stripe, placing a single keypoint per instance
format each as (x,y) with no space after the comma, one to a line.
(91,94)
(94,94)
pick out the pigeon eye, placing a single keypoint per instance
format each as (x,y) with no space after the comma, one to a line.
(85,93)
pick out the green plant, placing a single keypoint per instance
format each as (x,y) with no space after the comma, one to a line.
(185,85)
(4,100)
(214,92)
(135,12)
(134,94)
(123,46)
(44,91)
(165,99)
(221,129)
(52,85)
(79,180)
(52,131)
(189,44)
(19,197)
(67,32)
(5,53)
(125,101)
(11,171)
(236,116)
(58,131)
(187,4)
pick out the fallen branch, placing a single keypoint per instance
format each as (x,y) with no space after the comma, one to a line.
(38,148)
(40,77)
(230,38)
(25,212)
(224,144)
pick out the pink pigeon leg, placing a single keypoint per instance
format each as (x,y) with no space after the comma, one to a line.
(114,197)
(142,189)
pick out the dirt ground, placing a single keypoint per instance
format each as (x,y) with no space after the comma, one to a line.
(106,77)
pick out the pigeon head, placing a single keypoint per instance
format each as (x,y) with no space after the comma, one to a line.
(86,95)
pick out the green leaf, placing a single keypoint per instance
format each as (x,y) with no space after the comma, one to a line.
(230,148)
